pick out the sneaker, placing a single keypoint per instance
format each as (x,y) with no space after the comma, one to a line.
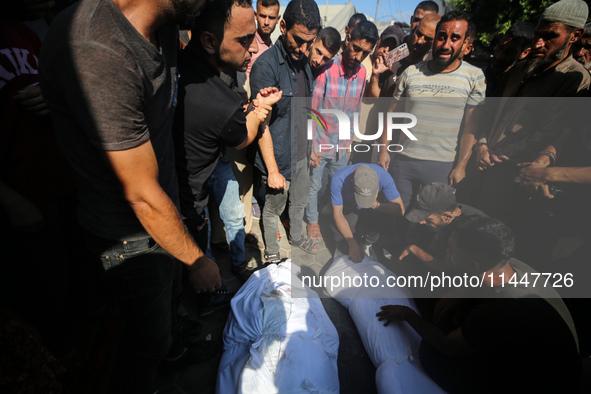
(212,302)
(242,271)
(251,239)
(274,258)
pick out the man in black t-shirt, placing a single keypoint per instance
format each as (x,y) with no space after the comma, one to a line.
(210,115)
(108,74)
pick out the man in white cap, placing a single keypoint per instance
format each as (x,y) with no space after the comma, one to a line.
(513,138)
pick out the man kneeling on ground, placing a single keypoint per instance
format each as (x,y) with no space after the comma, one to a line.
(359,216)
(504,342)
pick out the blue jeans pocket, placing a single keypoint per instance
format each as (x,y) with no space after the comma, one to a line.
(112,258)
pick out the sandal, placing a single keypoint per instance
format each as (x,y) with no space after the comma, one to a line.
(314,232)
(306,244)
(274,258)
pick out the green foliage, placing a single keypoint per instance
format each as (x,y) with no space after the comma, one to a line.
(495,17)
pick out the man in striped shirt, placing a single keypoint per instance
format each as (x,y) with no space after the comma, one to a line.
(441,93)
(339,86)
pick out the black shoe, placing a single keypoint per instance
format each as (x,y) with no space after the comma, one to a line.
(211,302)
(221,247)
(194,354)
(187,327)
(243,271)
(251,239)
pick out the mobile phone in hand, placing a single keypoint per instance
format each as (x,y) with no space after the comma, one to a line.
(396,54)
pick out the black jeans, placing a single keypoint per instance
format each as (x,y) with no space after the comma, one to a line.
(145,280)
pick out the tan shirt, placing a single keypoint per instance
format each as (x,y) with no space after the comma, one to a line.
(524,123)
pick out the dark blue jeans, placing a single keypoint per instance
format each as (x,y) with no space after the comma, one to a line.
(145,280)
(411,174)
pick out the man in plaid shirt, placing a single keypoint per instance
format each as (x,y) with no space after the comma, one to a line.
(339,86)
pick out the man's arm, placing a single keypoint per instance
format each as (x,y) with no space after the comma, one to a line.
(262,76)
(355,253)
(536,175)
(468,140)
(317,100)
(257,118)
(430,262)
(452,344)
(373,88)
(274,179)
(384,156)
(137,170)
(394,207)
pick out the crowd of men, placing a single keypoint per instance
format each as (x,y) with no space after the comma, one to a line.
(153,135)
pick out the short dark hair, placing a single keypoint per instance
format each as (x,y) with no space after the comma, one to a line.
(302,12)
(358,17)
(488,240)
(214,17)
(331,39)
(365,31)
(523,34)
(428,6)
(268,3)
(456,15)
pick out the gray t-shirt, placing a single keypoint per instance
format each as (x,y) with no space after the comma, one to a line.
(109,89)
